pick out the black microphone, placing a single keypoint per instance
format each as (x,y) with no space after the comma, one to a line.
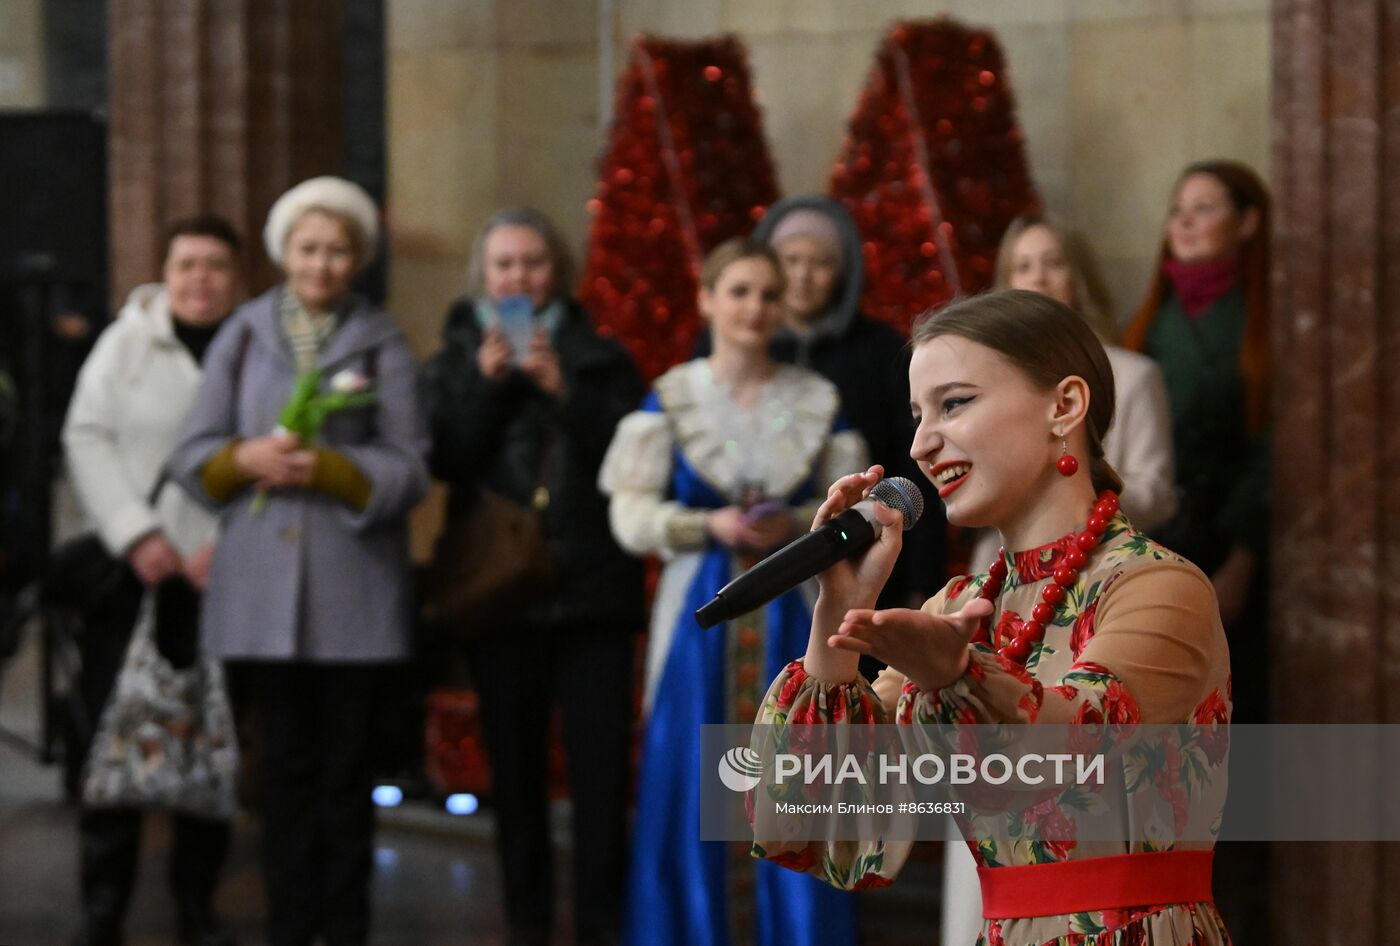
(846,536)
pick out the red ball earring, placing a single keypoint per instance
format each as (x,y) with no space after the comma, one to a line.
(1066,464)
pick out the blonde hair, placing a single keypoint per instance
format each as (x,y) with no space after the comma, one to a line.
(731,251)
(1048,342)
(558,248)
(1091,296)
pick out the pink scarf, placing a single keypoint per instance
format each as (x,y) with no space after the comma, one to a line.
(1198,285)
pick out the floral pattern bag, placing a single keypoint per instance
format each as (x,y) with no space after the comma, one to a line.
(166,737)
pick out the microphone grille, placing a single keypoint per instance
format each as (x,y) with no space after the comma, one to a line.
(902,495)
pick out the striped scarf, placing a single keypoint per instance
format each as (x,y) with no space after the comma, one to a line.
(306,330)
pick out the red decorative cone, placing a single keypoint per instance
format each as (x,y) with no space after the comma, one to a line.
(933,168)
(686,168)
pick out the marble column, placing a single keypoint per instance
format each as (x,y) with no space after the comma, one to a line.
(216,105)
(1336,494)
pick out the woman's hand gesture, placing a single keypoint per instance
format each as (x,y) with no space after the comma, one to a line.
(929,649)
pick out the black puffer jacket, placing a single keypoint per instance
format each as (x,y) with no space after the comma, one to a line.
(498,434)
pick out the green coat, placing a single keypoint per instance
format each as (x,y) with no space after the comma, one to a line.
(1221,469)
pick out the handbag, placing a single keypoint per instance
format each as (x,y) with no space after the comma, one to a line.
(166,738)
(492,559)
(82,576)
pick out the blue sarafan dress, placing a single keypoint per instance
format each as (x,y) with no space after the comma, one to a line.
(689,450)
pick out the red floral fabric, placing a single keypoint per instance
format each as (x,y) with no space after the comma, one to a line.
(1101,667)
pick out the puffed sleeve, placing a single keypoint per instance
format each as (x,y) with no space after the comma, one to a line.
(799,699)
(1149,659)
(845,453)
(1140,446)
(635,475)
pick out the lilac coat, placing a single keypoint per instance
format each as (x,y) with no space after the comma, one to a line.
(307,578)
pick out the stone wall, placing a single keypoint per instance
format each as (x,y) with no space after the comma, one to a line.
(21,54)
(498,101)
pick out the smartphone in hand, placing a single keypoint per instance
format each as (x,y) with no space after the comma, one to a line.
(767,508)
(516,317)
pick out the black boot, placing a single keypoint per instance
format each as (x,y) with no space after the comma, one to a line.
(89,936)
(208,933)
(110,844)
(197,859)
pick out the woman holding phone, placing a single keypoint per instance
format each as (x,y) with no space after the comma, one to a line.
(522,400)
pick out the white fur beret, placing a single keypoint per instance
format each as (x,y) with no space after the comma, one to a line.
(333,194)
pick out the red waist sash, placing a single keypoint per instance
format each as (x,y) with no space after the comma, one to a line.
(1096,883)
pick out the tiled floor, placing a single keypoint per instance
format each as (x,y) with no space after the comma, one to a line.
(435,876)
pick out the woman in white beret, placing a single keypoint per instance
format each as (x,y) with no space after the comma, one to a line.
(308,595)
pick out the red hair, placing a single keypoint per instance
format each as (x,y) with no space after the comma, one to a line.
(1246,192)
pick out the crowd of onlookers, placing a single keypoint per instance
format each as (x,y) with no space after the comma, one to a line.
(253,463)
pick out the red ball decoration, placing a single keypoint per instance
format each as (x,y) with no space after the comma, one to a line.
(1075,557)
(1065,576)
(1067,465)
(933,168)
(1098,524)
(1052,594)
(686,167)
(1086,540)
(1043,612)
(1019,650)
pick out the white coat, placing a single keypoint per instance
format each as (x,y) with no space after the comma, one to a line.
(128,410)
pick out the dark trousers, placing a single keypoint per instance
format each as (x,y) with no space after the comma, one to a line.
(313,725)
(521,675)
(110,838)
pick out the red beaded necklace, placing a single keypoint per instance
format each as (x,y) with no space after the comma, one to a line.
(1027,633)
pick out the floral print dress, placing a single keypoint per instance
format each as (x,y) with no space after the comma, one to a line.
(1137,639)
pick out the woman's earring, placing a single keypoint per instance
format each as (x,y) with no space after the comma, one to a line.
(1066,464)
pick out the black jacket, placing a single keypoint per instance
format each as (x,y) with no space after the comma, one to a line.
(510,437)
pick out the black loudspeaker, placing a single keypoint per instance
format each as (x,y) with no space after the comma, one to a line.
(53,292)
(53,188)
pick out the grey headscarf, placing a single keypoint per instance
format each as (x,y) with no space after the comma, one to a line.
(844,306)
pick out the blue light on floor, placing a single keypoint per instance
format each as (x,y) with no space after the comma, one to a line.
(462,804)
(387,796)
